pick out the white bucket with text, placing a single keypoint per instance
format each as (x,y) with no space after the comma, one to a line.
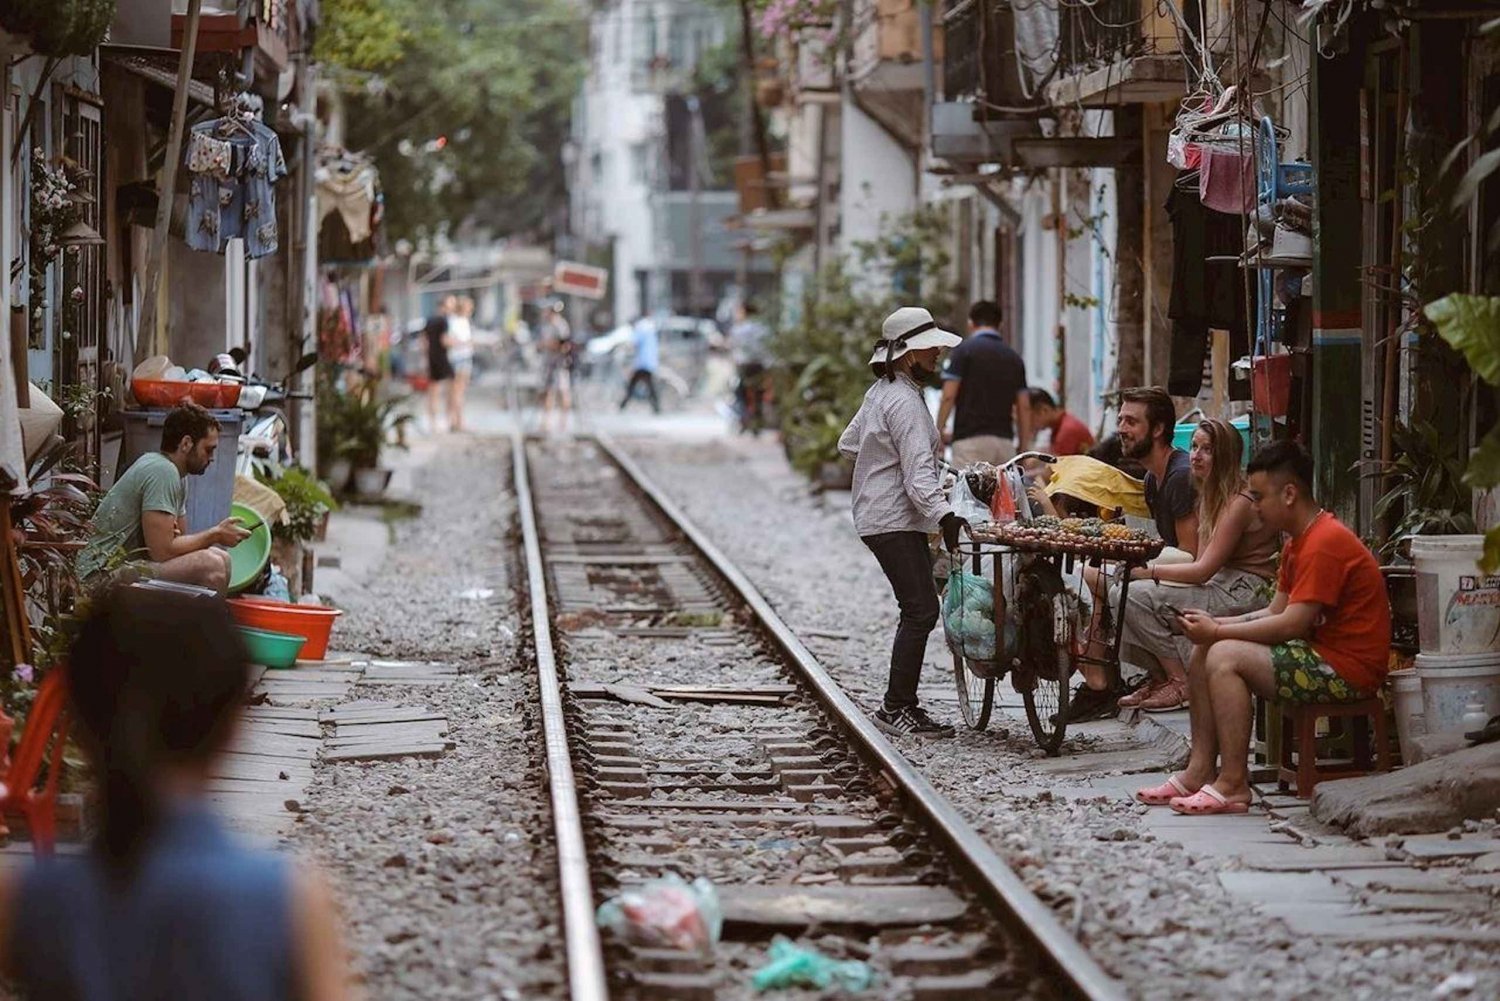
(1406,698)
(1458,607)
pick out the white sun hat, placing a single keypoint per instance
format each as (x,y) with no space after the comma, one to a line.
(910,328)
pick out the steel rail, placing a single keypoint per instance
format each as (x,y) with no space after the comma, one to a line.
(586,975)
(997,886)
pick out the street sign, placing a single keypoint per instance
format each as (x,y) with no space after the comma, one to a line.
(581,280)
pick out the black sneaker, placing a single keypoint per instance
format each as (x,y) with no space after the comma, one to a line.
(1089,704)
(910,721)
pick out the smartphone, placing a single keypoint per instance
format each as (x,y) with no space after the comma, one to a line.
(1176,612)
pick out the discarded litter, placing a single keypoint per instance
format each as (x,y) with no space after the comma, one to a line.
(666,912)
(477,594)
(792,965)
(1455,984)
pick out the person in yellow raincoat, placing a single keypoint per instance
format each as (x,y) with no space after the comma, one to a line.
(1082,486)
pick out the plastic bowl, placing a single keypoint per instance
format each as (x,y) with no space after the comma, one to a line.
(205,394)
(271,649)
(160,392)
(249,558)
(314,622)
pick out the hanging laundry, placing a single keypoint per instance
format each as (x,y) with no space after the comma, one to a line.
(233,163)
(1226,180)
(347,184)
(1206,295)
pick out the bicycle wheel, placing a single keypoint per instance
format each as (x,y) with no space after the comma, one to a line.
(976,695)
(1046,700)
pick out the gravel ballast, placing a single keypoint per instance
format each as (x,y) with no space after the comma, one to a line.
(444,865)
(1152,912)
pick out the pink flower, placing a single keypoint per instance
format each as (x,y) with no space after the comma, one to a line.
(24,673)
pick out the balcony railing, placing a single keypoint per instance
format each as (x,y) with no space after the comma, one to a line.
(1106,31)
(980,64)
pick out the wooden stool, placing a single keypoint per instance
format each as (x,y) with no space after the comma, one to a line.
(1299,734)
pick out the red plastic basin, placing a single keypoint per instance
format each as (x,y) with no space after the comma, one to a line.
(314,622)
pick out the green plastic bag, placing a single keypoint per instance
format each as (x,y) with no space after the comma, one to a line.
(969,615)
(792,965)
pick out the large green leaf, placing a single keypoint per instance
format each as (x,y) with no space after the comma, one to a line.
(1490,562)
(1471,324)
(1484,462)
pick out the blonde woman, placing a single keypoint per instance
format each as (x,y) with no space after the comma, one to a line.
(461,357)
(1236,560)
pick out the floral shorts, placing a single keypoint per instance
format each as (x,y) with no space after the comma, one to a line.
(1304,677)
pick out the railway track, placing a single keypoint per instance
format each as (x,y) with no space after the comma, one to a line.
(688,730)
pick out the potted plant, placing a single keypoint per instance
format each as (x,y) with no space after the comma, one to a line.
(365,424)
(308,503)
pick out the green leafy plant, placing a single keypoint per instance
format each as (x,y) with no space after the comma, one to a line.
(1471,325)
(822,353)
(357,424)
(59,27)
(307,500)
(1425,485)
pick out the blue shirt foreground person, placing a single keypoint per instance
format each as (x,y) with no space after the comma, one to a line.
(898,499)
(647,341)
(166,903)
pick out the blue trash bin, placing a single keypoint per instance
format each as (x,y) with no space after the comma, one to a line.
(208,495)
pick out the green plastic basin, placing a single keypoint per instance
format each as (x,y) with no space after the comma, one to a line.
(248,559)
(271,649)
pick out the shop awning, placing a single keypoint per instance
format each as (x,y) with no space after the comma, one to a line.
(159,66)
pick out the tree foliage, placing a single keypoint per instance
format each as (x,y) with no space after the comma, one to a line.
(467,121)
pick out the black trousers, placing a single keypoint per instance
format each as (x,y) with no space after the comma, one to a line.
(637,377)
(907,563)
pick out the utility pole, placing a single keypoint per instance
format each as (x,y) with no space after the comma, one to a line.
(695,207)
(146,340)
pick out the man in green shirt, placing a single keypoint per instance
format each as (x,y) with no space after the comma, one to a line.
(144,515)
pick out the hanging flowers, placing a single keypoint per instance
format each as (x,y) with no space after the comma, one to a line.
(785,19)
(52,212)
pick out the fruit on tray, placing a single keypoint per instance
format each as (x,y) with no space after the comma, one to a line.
(1087,536)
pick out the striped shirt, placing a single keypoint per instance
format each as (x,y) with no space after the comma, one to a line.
(894,444)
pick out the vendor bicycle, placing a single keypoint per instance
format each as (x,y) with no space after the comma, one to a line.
(1044,583)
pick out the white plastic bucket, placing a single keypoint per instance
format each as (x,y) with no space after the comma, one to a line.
(1458,608)
(1406,692)
(1451,681)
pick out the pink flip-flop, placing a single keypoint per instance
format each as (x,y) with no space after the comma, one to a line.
(1206,802)
(1163,794)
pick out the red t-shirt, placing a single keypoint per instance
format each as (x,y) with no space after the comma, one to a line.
(1328,564)
(1070,436)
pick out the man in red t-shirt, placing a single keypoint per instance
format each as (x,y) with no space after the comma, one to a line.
(1325,638)
(1070,436)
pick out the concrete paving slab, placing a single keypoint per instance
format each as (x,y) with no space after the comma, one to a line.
(1129,761)
(1443,902)
(1437,846)
(1296,858)
(1281,887)
(1403,878)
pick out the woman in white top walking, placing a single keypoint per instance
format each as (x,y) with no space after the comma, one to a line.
(461,357)
(898,499)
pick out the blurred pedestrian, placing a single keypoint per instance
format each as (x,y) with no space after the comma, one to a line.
(1070,436)
(166,903)
(439,368)
(747,342)
(647,359)
(984,388)
(898,499)
(461,357)
(559,359)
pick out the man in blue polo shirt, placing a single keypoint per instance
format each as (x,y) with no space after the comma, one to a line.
(984,387)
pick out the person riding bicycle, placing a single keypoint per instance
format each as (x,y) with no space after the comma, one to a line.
(898,499)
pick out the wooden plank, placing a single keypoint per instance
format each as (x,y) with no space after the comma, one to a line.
(869,906)
(381,716)
(384,754)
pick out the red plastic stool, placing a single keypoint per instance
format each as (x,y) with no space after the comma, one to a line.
(46,725)
(1299,725)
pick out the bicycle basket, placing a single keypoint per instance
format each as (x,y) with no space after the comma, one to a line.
(969,615)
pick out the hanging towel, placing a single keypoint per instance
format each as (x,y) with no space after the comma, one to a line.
(1226,181)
